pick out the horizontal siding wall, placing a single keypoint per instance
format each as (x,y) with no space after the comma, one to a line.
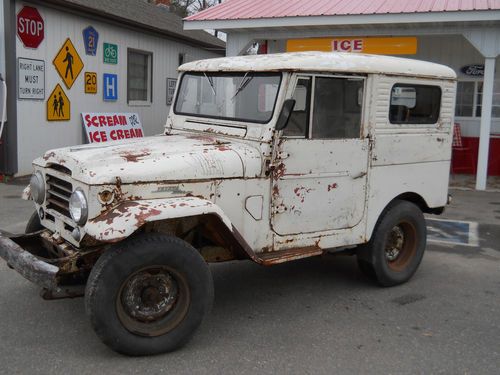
(36,134)
(456,52)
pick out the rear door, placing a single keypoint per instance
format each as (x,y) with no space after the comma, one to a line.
(320,180)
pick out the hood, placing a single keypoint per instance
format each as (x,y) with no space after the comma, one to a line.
(158,158)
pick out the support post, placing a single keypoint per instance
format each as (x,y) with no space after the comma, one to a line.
(484,135)
(237,43)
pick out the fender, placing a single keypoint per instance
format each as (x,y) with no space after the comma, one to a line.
(124,219)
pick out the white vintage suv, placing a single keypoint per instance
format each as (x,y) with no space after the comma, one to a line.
(270,158)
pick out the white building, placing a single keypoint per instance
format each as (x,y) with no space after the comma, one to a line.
(135,46)
(464,35)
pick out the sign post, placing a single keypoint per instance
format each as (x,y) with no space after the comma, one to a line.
(30,27)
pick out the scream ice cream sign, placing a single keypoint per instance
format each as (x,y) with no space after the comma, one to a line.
(104,127)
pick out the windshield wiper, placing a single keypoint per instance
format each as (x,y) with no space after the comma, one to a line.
(242,85)
(211,81)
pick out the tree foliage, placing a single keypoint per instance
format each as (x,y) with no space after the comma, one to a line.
(185,8)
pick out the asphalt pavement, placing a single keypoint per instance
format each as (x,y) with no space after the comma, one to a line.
(314,316)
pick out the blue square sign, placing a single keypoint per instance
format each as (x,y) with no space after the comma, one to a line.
(110,88)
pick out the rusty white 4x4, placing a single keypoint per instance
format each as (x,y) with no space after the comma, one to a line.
(268,158)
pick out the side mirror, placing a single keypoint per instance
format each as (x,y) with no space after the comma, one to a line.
(285,114)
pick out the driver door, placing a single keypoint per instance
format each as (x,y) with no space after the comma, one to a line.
(320,180)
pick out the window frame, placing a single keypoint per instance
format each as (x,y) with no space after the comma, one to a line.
(149,100)
(475,103)
(230,119)
(310,123)
(414,124)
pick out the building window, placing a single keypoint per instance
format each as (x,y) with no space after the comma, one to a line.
(139,83)
(465,99)
(414,104)
(470,97)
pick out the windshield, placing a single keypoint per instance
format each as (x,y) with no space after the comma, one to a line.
(230,96)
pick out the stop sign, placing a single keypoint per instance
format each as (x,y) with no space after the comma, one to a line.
(30,27)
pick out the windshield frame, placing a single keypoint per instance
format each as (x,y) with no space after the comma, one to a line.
(231,73)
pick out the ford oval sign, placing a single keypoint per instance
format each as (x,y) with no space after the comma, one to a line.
(476,70)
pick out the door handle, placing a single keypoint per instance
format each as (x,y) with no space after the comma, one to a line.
(359,175)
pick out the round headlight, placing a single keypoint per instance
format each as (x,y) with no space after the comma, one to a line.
(78,207)
(37,186)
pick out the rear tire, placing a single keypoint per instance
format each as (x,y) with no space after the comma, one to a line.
(33,224)
(397,245)
(148,294)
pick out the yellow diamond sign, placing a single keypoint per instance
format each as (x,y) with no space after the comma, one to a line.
(68,63)
(58,105)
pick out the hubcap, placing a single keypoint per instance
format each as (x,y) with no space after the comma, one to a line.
(153,301)
(401,246)
(148,296)
(394,243)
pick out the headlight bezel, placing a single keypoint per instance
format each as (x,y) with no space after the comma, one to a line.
(38,188)
(78,196)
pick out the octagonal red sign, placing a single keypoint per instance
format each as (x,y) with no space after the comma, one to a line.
(30,27)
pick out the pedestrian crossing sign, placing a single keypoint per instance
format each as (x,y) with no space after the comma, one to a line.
(68,63)
(58,105)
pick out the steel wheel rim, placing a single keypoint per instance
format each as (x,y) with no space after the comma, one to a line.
(153,301)
(400,246)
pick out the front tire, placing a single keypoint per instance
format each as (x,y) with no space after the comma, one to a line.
(148,294)
(397,245)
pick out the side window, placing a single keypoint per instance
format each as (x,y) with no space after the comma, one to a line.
(414,104)
(337,108)
(298,124)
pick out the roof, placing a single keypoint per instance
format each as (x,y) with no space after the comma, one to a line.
(245,9)
(323,61)
(148,17)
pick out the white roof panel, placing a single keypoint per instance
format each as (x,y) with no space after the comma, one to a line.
(338,62)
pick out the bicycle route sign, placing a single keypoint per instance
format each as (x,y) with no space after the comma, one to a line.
(110,53)
(68,63)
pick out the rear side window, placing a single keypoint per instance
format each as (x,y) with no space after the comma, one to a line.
(414,104)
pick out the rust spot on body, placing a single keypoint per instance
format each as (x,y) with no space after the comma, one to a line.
(301,192)
(332,186)
(134,157)
(109,216)
(49,155)
(279,171)
(141,217)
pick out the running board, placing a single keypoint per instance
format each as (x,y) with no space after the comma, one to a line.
(282,256)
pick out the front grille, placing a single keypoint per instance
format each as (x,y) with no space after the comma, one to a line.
(58,194)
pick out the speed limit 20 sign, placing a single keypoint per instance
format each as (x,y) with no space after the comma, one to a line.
(90,83)
(30,27)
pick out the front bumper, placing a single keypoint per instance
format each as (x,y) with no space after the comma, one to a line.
(32,267)
(48,261)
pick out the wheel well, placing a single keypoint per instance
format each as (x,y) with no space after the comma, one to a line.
(419,201)
(207,233)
